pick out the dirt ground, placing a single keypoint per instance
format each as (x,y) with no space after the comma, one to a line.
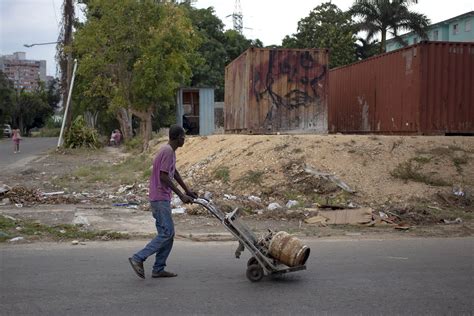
(424,183)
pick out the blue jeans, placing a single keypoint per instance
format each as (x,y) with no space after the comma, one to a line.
(163,242)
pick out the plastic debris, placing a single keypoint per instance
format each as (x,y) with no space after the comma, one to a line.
(458,192)
(291,203)
(229,197)
(16,239)
(273,206)
(75,242)
(456,221)
(18,205)
(178,210)
(52,193)
(80,220)
(176,201)
(255,199)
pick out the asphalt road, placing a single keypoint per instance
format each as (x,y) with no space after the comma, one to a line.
(30,148)
(377,277)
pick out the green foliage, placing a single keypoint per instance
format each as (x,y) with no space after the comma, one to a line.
(384,16)
(410,171)
(222,173)
(7,94)
(79,135)
(134,144)
(56,232)
(326,27)
(252,177)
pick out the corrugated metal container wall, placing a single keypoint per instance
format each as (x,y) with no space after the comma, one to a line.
(206,111)
(270,90)
(421,89)
(447,100)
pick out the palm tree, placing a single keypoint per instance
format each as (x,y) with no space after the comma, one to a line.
(390,16)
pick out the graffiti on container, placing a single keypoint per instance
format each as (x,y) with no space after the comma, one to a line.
(290,82)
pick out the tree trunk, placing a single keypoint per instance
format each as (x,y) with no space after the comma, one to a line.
(145,125)
(124,116)
(382,42)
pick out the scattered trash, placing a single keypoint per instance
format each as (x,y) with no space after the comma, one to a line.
(178,210)
(291,203)
(383,215)
(255,199)
(19,228)
(9,217)
(53,193)
(458,192)
(16,239)
(4,188)
(317,220)
(207,195)
(403,226)
(5,201)
(329,177)
(125,188)
(133,206)
(176,201)
(80,220)
(348,216)
(75,242)
(273,206)
(18,205)
(229,197)
(120,204)
(62,231)
(456,221)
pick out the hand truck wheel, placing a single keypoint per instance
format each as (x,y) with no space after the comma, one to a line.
(254,272)
(252,261)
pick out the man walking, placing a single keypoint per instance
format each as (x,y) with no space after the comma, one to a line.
(161,187)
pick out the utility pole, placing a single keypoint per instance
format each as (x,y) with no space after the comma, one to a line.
(237,17)
(64,55)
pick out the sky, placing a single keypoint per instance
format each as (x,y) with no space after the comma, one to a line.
(37,21)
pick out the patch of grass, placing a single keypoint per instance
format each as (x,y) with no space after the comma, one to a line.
(222,173)
(130,170)
(422,159)
(407,171)
(56,232)
(252,177)
(281,147)
(459,161)
(134,145)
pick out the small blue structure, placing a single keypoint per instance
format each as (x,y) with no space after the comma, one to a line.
(195,110)
(457,29)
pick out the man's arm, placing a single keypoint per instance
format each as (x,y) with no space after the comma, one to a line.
(165,179)
(180,181)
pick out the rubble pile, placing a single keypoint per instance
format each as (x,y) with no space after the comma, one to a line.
(20,195)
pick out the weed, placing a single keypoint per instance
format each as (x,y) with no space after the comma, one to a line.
(57,232)
(422,160)
(222,173)
(297,150)
(134,144)
(281,147)
(252,177)
(406,171)
(459,161)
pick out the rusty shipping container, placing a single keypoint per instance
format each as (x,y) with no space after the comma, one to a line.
(426,89)
(277,90)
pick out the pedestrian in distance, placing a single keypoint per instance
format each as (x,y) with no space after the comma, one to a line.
(16,138)
(160,191)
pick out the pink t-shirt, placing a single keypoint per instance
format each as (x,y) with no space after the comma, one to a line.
(165,161)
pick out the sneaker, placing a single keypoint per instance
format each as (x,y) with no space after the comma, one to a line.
(137,267)
(163,274)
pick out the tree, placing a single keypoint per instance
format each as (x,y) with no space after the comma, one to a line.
(326,27)
(7,94)
(134,55)
(366,48)
(386,16)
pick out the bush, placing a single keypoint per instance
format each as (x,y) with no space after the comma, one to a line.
(133,145)
(79,135)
